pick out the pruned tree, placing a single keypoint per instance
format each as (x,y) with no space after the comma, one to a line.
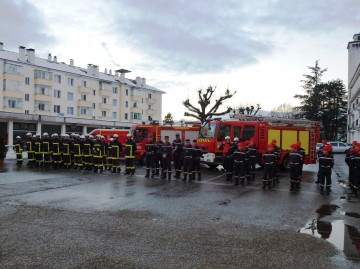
(204,100)
(247,109)
(168,119)
(283,111)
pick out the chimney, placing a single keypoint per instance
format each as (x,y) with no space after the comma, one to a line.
(138,81)
(31,55)
(1,46)
(49,57)
(105,71)
(143,82)
(122,74)
(22,54)
(55,59)
(96,70)
(71,62)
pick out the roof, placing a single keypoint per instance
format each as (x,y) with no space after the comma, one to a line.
(59,66)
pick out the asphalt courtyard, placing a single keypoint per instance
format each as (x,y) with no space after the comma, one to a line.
(52,218)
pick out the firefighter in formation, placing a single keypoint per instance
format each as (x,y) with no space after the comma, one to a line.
(352,159)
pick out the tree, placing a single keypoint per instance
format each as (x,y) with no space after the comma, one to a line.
(168,119)
(283,111)
(204,100)
(325,102)
(248,109)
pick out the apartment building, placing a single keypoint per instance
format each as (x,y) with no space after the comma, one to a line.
(45,95)
(354,89)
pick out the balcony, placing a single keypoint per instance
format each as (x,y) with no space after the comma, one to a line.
(83,89)
(84,103)
(150,101)
(135,110)
(13,93)
(42,81)
(105,93)
(12,76)
(150,112)
(103,106)
(136,98)
(42,97)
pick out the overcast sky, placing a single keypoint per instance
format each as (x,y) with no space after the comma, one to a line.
(259,48)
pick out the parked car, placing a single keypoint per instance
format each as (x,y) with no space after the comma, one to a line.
(338,146)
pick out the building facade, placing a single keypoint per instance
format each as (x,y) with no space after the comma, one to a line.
(354,89)
(43,95)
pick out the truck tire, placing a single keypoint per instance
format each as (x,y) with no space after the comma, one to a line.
(285,163)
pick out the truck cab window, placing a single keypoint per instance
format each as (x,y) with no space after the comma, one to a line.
(237,131)
(140,135)
(224,130)
(248,133)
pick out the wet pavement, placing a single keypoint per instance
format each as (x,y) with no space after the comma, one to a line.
(74,219)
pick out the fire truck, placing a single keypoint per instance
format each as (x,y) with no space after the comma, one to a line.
(108,133)
(140,133)
(262,130)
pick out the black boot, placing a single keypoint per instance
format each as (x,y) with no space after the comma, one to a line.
(157,172)
(113,170)
(236,181)
(199,176)
(292,186)
(118,170)
(101,169)
(252,176)
(184,178)
(163,175)
(328,190)
(322,190)
(169,176)
(264,184)
(242,181)
(147,172)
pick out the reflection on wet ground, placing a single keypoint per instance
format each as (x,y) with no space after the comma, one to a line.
(341,235)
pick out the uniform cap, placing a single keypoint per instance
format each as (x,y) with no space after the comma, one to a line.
(177,134)
(324,141)
(195,140)
(354,142)
(326,148)
(55,134)
(37,134)
(187,140)
(293,146)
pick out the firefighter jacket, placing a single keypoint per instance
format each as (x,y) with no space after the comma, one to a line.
(46,145)
(159,145)
(188,151)
(56,147)
(78,147)
(30,143)
(88,145)
(115,149)
(269,157)
(66,147)
(326,161)
(150,148)
(167,150)
(252,151)
(240,156)
(228,149)
(198,152)
(177,145)
(38,145)
(130,149)
(295,158)
(19,146)
(97,148)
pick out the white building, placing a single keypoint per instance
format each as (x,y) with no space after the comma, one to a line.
(44,95)
(354,89)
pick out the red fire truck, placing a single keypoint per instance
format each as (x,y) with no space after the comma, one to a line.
(140,133)
(263,130)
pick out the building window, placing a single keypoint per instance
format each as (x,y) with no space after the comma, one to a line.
(149,118)
(94,92)
(27,97)
(27,81)
(127,92)
(57,78)
(12,85)
(114,115)
(70,110)
(43,74)
(26,111)
(57,94)
(70,96)
(114,102)
(126,104)
(115,90)
(44,90)
(136,116)
(135,104)
(149,95)
(149,106)
(11,103)
(104,100)
(41,106)
(126,116)
(83,97)
(70,81)
(83,110)
(94,105)
(83,83)
(103,113)
(14,69)
(56,109)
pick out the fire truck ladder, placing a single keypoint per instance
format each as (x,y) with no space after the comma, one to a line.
(312,153)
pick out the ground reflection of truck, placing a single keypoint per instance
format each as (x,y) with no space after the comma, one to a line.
(141,132)
(263,130)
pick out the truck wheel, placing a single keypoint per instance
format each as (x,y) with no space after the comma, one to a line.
(286,163)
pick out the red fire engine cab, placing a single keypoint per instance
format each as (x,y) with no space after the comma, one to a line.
(262,130)
(140,133)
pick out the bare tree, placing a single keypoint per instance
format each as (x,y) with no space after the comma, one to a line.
(204,100)
(283,111)
(247,109)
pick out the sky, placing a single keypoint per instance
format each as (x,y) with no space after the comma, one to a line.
(259,48)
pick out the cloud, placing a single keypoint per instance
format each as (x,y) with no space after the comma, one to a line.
(22,24)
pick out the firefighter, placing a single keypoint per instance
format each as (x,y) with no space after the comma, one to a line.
(319,153)
(46,149)
(350,154)
(109,156)
(177,145)
(97,154)
(228,151)
(198,153)
(269,158)
(30,148)
(104,151)
(188,153)
(295,161)
(247,161)
(130,150)
(356,173)
(66,151)
(302,153)
(19,147)
(38,150)
(87,152)
(56,149)
(277,152)
(252,158)
(326,162)
(150,149)
(239,163)
(166,155)
(158,156)
(78,149)
(115,151)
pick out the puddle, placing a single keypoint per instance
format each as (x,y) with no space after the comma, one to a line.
(341,235)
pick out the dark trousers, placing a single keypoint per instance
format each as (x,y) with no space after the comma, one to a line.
(228,163)
(239,171)
(150,163)
(268,175)
(167,164)
(129,165)
(188,167)
(294,173)
(158,162)
(325,176)
(177,163)
(252,161)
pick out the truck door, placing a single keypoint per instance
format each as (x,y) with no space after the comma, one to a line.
(248,132)
(224,130)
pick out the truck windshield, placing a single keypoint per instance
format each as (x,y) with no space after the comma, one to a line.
(208,130)
(140,134)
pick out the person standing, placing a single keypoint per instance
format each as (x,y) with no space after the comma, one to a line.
(130,150)
(158,156)
(295,162)
(66,151)
(87,152)
(355,182)
(228,161)
(115,151)
(252,158)
(38,151)
(177,145)
(188,152)
(97,154)
(19,147)
(30,148)
(269,158)
(46,149)
(166,155)
(150,149)
(239,163)
(78,149)
(326,163)
(277,152)
(56,149)
(198,153)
